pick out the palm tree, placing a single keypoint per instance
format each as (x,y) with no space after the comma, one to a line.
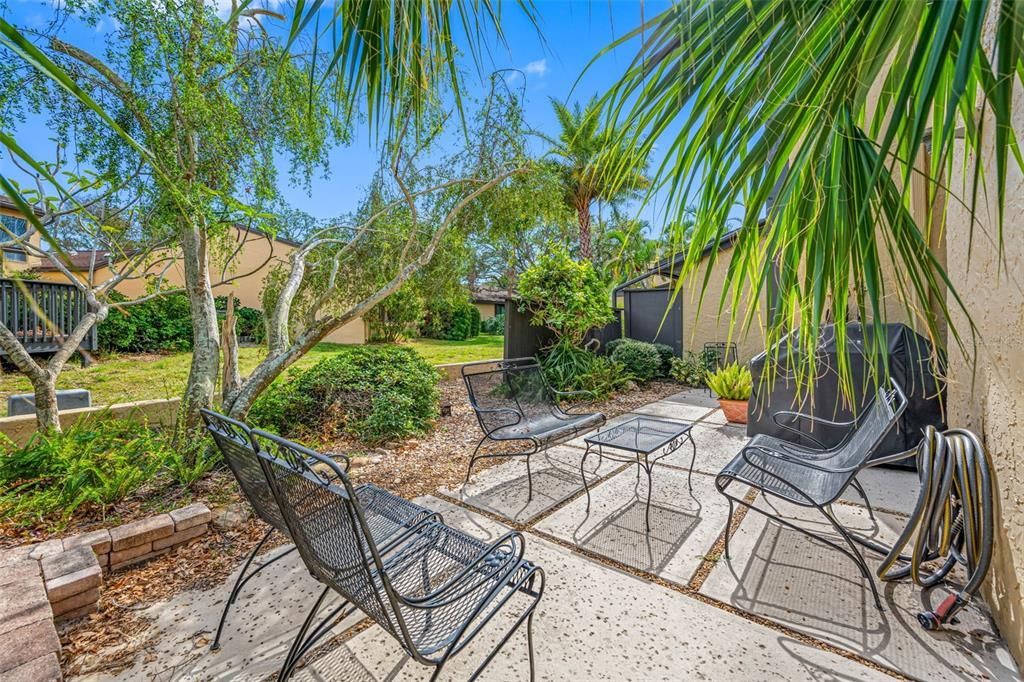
(820,116)
(594,164)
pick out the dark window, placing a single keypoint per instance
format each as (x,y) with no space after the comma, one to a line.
(499,308)
(13,226)
(15,255)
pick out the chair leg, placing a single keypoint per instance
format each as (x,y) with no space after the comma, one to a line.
(292,658)
(472,459)
(864,496)
(236,588)
(855,554)
(728,527)
(529,477)
(529,645)
(437,671)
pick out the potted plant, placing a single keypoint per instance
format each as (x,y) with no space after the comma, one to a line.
(732,384)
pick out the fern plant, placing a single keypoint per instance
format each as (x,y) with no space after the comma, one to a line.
(732,382)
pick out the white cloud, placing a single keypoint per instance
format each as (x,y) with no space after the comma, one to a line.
(539,67)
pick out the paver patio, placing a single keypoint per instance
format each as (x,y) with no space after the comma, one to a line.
(603,616)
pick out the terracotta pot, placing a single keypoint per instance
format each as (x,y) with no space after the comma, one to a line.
(735,410)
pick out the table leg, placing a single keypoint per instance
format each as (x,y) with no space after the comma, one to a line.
(583,475)
(650,486)
(693,460)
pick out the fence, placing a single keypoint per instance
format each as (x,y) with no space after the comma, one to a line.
(40,314)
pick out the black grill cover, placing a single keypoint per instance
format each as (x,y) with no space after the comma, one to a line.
(909,364)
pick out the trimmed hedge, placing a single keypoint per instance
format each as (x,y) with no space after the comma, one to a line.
(373,393)
(640,359)
(451,321)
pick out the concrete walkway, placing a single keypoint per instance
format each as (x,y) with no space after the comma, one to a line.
(622,603)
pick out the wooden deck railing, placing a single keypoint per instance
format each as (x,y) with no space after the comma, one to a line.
(41,313)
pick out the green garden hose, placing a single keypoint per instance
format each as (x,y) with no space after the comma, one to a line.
(952,522)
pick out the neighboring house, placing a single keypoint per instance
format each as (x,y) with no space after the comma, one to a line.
(12,258)
(490,301)
(250,261)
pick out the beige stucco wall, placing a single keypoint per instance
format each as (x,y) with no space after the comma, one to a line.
(990,401)
(486,310)
(249,266)
(702,322)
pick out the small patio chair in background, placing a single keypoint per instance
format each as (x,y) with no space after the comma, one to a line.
(389,513)
(722,354)
(433,593)
(513,402)
(812,477)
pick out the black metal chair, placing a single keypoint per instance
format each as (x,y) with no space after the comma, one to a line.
(721,354)
(812,477)
(433,593)
(389,513)
(513,402)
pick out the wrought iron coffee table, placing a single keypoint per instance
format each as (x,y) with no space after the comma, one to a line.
(646,439)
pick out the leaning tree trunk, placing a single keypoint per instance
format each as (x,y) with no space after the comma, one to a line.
(202,378)
(44,386)
(583,214)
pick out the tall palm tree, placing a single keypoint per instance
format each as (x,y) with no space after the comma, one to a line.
(594,164)
(821,115)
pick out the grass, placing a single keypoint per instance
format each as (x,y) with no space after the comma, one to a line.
(123,378)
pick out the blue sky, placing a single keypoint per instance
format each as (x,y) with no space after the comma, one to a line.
(573,31)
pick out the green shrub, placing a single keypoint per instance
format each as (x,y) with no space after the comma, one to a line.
(691,369)
(396,316)
(732,382)
(668,354)
(451,321)
(374,393)
(494,325)
(568,367)
(610,347)
(159,324)
(641,360)
(96,462)
(565,296)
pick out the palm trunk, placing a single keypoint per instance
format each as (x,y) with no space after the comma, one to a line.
(583,214)
(202,378)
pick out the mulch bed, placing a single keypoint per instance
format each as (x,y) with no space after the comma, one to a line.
(109,639)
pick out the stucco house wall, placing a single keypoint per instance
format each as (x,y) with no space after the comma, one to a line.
(988,398)
(256,254)
(486,310)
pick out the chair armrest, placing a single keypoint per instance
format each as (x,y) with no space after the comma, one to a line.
(469,578)
(810,417)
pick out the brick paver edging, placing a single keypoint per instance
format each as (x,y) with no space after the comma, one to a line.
(60,579)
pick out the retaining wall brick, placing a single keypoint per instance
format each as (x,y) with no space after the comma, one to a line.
(140,532)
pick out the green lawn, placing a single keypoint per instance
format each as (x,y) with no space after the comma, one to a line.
(122,378)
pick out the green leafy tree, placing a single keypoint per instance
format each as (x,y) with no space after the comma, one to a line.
(816,115)
(593,164)
(211,101)
(565,296)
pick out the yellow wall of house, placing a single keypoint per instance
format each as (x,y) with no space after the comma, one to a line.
(15,265)
(249,267)
(486,310)
(702,322)
(988,398)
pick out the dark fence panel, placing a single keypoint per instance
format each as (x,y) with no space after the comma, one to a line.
(646,319)
(523,340)
(612,330)
(40,314)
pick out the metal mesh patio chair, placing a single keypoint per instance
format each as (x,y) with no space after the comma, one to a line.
(513,402)
(433,593)
(388,513)
(812,477)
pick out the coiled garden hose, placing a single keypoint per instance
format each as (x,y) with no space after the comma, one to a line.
(952,522)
